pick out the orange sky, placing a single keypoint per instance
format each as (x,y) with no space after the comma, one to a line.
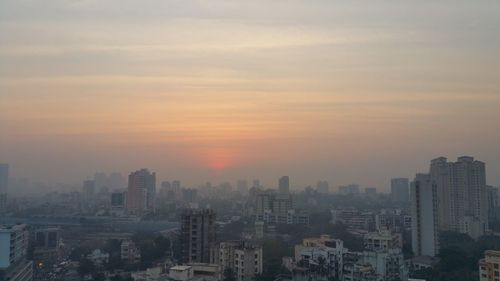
(346,92)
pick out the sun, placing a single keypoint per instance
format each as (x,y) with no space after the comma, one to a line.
(218,159)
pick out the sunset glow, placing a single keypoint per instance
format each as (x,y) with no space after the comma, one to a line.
(243,89)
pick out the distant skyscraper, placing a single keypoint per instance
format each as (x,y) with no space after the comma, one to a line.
(4,182)
(399,190)
(141,191)
(462,195)
(370,191)
(256,183)
(322,187)
(492,199)
(284,185)
(197,235)
(88,190)
(118,200)
(351,189)
(424,216)
(176,185)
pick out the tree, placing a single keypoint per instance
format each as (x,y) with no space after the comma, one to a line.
(99,276)
(86,267)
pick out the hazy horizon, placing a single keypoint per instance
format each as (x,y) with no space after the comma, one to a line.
(343,91)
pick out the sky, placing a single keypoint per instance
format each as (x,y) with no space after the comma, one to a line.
(345,91)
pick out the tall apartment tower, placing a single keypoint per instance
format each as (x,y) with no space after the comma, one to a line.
(88,189)
(13,250)
(424,216)
(462,195)
(197,235)
(399,190)
(141,192)
(284,185)
(4,182)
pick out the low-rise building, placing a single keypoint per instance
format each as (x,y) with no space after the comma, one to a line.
(195,272)
(130,253)
(319,256)
(382,240)
(489,267)
(98,257)
(150,274)
(354,219)
(358,272)
(289,217)
(389,264)
(243,258)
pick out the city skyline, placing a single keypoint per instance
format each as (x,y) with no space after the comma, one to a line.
(273,183)
(339,91)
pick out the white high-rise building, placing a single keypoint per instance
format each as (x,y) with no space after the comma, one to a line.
(425,220)
(462,195)
(13,249)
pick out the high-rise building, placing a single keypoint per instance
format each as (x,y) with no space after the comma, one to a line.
(4,182)
(492,199)
(13,250)
(489,267)
(118,202)
(399,190)
(284,185)
(370,191)
(424,212)
(48,238)
(197,235)
(350,189)
(88,190)
(141,192)
(276,203)
(462,195)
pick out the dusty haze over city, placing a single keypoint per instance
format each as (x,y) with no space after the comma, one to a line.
(344,91)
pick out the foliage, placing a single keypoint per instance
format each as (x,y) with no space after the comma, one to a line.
(153,248)
(99,277)
(79,253)
(273,252)
(459,256)
(86,267)
(113,247)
